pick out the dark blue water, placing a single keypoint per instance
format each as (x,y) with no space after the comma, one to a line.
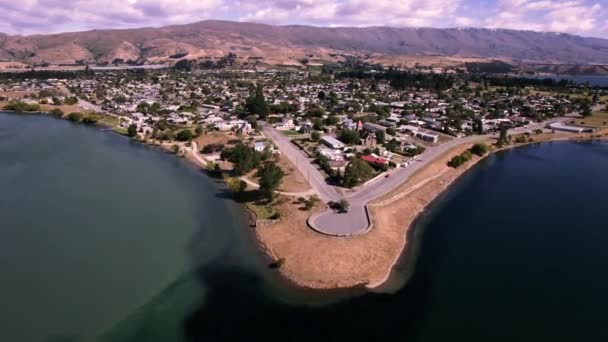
(515,251)
(597,81)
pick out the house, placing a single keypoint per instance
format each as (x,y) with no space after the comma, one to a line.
(370,140)
(408,129)
(338,165)
(560,126)
(428,137)
(330,154)
(349,124)
(286,124)
(387,123)
(259,146)
(372,127)
(374,160)
(332,142)
(305,129)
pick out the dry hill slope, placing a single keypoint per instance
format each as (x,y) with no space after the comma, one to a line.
(282,43)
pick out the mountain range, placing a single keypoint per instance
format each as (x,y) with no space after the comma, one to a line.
(289,45)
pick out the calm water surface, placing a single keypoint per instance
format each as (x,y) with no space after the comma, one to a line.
(92,226)
(107,237)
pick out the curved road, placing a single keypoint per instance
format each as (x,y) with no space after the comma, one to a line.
(356,221)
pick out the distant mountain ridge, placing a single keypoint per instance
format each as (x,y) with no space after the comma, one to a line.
(289,44)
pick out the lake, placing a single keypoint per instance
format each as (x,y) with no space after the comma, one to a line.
(597,81)
(103,238)
(92,226)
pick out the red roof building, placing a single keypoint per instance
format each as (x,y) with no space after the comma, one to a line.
(375,161)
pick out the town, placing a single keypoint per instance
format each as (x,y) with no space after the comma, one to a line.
(340,130)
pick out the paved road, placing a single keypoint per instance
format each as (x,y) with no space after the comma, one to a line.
(89,106)
(356,221)
(304,165)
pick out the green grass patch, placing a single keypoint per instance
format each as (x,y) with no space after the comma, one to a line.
(121,130)
(107,120)
(290,133)
(262,212)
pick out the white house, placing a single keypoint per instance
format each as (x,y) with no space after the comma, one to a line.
(286,124)
(332,142)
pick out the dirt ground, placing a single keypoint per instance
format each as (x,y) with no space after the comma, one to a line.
(293,181)
(215,137)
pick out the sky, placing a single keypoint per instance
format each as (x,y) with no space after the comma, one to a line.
(582,17)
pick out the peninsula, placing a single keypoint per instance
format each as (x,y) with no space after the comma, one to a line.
(333,162)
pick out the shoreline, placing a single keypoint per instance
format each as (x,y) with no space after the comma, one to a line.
(463,171)
(426,191)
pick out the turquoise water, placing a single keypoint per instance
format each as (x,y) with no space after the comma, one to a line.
(93,226)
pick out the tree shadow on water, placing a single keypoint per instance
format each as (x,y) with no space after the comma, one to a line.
(236,307)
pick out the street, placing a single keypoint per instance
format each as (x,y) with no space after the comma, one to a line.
(356,221)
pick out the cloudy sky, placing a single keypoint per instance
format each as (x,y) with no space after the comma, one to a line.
(584,17)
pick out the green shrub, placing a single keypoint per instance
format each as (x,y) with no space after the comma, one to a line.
(75,116)
(480,149)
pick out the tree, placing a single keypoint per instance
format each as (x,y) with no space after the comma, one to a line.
(143,107)
(154,108)
(243,157)
(391,131)
(460,159)
(343,206)
(236,185)
(503,138)
(350,137)
(270,176)
(316,112)
(478,126)
(356,172)
(317,124)
(90,119)
(315,136)
(75,117)
(586,110)
(480,149)
(321,95)
(380,137)
(184,135)
(199,130)
(256,103)
(71,100)
(57,112)
(132,130)
(183,65)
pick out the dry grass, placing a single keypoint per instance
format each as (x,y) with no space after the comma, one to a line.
(66,109)
(318,261)
(598,119)
(322,262)
(293,180)
(215,137)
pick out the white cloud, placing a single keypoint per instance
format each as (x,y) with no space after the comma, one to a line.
(44,16)
(573,16)
(355,12)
